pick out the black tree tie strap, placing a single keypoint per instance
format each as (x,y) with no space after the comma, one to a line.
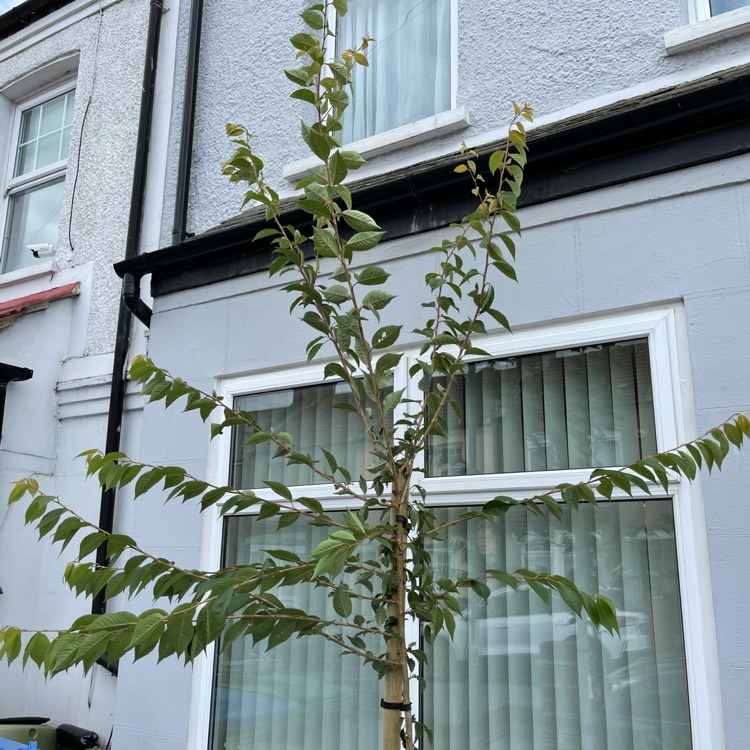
(395,706)
(404,521)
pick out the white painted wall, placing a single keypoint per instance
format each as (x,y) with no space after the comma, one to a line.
(62,410)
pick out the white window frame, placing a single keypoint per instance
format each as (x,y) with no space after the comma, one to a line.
(700,10)
(703,29)
(14,185)
(437,125)
(665,330)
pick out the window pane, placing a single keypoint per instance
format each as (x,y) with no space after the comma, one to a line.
(48,149)
(304,694)
(409,73)
(723,6)
(30,124)
(33,219)
(45,134)
(572,408)
(309,416)
(522,675)
(52,115)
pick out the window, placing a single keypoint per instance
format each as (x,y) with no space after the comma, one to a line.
(724,6)
(519,673)
(410,63)
(36,179)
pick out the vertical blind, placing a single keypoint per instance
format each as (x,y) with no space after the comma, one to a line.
(409,73)
(523,675)
(565,409)
(519,674)
(304,694)
(309,416)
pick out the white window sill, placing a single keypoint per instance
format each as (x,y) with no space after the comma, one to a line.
(28,273)
(392,140)
(710,31)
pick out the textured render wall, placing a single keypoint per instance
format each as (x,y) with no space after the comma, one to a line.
(639,244)
(102,195)
(552,53)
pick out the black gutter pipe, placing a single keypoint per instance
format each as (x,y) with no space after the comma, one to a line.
(8,374)
(124,320)
(131,296)
(132,283)
(188,124)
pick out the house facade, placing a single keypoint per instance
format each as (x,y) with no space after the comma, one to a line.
(71,82)
(630,336)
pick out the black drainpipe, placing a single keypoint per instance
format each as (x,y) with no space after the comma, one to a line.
(9,373)
(132,244)
(188,124)
(131,288)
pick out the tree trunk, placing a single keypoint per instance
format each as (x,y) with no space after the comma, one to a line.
(395,682)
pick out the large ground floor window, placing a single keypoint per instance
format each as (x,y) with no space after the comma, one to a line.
(518,674)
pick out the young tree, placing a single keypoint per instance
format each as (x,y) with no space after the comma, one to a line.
(374,561)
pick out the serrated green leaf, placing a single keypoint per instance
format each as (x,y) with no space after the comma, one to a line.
(36,649)
(342,602)
(372,275)
(362,241)
(376,299)
(360,221)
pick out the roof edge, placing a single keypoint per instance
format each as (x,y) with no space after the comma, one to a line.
(672,128)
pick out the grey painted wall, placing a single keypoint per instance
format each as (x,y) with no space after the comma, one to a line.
(679,237)
(552,53)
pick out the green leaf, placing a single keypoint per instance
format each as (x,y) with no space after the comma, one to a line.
(325,242)
(297,75)
(93,646)
(36,649)
(359,221)
(570,594)
(314,19)
(365,241)
(319,144)
(37,507)
(392,400)
(147,481)
(386,337)
(352,159)
(337,165)
(497,159)
(18,491)
(303,41)
(342,602)
(355,525)
(512,221)
(148,629)
(505,268)
(376,299)
(336,294)
(372,275)
(282,631)
(503,577)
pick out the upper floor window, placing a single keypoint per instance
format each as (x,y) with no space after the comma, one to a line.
(724,6)
(35,181)
(410,63)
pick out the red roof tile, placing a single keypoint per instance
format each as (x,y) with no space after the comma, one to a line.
(38,301)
